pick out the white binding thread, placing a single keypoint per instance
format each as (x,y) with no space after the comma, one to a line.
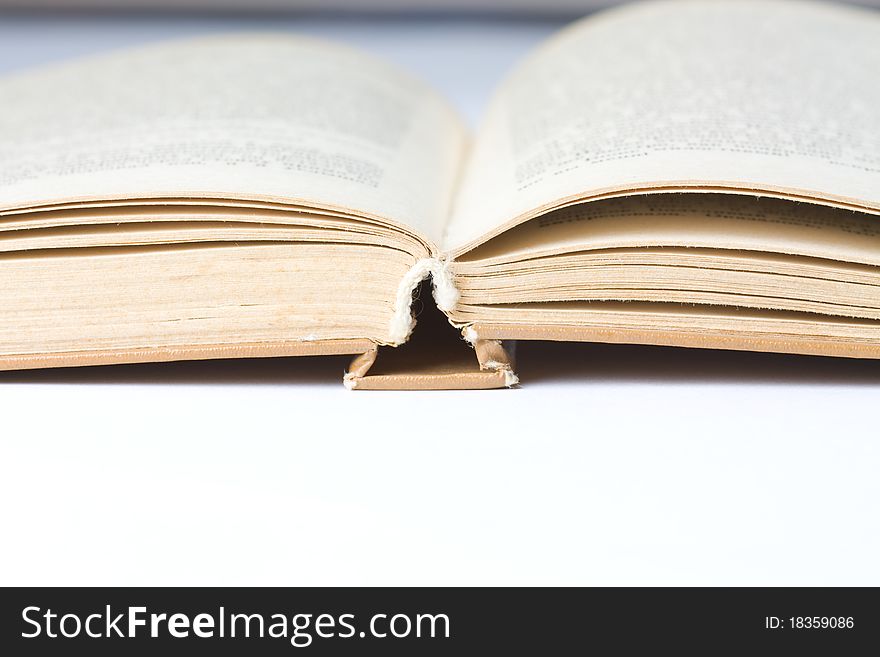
(470,335)
(445,295)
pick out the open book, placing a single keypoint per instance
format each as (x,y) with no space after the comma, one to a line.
(676,173)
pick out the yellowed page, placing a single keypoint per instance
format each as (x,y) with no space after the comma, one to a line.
(190,295)
(708,221)
(267,117)
(774,96)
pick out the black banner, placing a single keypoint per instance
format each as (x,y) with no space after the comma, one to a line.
(417,621)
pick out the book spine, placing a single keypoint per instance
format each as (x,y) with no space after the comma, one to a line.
(444,290)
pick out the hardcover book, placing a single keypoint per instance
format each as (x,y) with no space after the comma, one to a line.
(673,173)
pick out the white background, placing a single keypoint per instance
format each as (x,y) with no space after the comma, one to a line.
(611,465)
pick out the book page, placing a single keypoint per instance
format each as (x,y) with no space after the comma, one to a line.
(775,96)
(709,221)
(268,117)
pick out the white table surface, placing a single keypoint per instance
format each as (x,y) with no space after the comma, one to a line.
(611,465)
